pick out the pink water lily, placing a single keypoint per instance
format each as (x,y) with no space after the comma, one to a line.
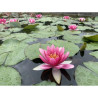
(39,15)
(32,20)
(66,17)
(3,21)
(54,58)
(13,20)
(82,19)
(73,27)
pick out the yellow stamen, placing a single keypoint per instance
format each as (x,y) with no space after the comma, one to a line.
(53,56)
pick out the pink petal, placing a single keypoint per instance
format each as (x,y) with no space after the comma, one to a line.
(42,52)
(52,48)
(42,66)
(52,61)
(66,55)
(46,66)
(66,66)
(43,59)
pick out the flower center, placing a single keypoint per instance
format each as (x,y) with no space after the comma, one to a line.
(53,56)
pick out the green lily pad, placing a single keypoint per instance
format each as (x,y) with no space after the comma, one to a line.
(84,28)
(42,34)
(4,34)
(29,39)
(44,19)
(60,28)
(9,76)
(16,56)
(3,58)
(32,51)
(92,66)
(91,37)
(67,32)
(1,27)
(46,83)
(96,30)
(84,76)
(92,46)
(30,28)
(96,18)
(69,46)
(73,38)
(95,54)
(20,36)
(15,25)
(8,45)
(15,29)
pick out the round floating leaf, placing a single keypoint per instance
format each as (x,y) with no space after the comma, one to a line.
(16,55)
(84,28)
(84,76)
(69,46)
(9,76)
(73,38)
(20,36)
(4,34)
(32,51)
(15,29)
(96,18)
(60,28)
(46,83)
(92,46)
(95,54)
(15,25)
(3,58)
(67,32)
(91,37)
(1,27)
(96,30)
(42,34)
(8,45)
(92,65)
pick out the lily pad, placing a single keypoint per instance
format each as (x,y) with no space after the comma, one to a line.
(9,76)
(84,28)
(8,45)
(96,18)
(32,51)
(46,83)
(15,25)
(92,46)
(91,37)
(73,38)
(84,76)
(60,28)
(16,55)
(4,34)
(92,66)
(15,29)
(69,46)
(3,58)
(95,54)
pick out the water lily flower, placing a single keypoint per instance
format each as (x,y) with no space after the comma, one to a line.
(73,27)
(54,58)
(82,19)
(32,20)
(66,17)
(39,15)
(13,20)
(3,21)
